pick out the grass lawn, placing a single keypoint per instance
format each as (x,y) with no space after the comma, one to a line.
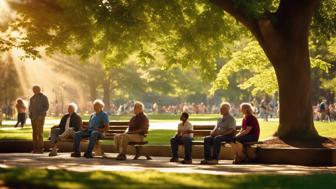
(44,178)
(161,137)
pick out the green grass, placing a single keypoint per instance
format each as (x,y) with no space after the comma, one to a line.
(161,137)
(161,117)
(44,178)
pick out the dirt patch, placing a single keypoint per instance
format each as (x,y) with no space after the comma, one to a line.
(321,142)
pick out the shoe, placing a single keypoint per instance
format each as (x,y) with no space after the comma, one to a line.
(121,157)
(174,160)
(53,153)
(204,162)
(75,154)
(186,161)
(88,155)
(213,162)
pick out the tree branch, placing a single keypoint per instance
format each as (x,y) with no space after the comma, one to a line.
(230,7)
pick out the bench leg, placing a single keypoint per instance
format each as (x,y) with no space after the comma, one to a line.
(139,152)
(98,149)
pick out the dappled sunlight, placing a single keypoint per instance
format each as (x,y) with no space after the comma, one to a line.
(161,164)
(58,84)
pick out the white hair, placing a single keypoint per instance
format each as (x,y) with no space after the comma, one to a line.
(74,106)
(100,102)
(226,104)
(139,104)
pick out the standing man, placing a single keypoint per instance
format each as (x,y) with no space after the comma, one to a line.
(38,107)
(98,125)
(136,131)
(224,131)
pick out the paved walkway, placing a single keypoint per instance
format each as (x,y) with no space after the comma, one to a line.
(64,161)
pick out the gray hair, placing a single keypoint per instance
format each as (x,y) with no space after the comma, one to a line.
(74,106)
(100,102)
(139,104)
(226,104)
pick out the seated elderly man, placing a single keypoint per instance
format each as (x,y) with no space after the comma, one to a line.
(70,123)
(136,132)
(98,125)
(224,131)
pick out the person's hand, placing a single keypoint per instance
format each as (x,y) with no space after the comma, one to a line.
(213,133)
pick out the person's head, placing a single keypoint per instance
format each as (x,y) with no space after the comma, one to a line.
(184,116)
(246,108)
(19,101)
(98,105)
(36,89)
(225,108)
(138,107)
(72,107)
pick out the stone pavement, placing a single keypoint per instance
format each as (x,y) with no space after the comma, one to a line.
(162,164)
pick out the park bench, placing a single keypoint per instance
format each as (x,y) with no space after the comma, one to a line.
(201,131)
(115,127)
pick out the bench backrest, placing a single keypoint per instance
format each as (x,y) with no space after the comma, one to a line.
(204,130)
(115,127)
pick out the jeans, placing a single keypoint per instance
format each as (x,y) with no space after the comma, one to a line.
(186,141)
(93,136)
(215,143)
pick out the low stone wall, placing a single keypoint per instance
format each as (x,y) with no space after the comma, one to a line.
(296,156)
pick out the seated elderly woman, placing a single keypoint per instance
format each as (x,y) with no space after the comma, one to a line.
(249,132)
(136,132)
(70,123)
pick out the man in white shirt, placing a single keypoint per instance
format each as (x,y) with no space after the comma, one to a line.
(184,136)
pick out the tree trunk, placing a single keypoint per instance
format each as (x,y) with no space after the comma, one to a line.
(107,94)
(296,114)
(285,42)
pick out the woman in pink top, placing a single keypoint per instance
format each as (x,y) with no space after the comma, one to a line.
(249,132)
(21,109)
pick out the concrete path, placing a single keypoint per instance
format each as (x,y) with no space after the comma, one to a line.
(64,161)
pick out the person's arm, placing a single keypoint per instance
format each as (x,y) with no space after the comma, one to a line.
(104,129)
(45,104)
(30,108)
(143,129)
(244,132)
(105,123)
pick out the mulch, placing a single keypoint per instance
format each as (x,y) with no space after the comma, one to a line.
(321,142)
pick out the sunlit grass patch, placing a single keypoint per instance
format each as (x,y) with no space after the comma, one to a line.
(44,178)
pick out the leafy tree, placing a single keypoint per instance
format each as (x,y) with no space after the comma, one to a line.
(192,33)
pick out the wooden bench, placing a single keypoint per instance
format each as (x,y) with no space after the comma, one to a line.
(115,127)
(204,130)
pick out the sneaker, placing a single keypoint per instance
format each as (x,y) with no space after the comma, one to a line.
(174,160)
(121,157)
(75,154)
(186,161)
(213,162)
(88,155)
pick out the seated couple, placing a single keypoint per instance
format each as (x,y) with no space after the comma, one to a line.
(71,127)
(224,131)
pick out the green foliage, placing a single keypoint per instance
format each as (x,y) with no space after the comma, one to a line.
(250,66)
